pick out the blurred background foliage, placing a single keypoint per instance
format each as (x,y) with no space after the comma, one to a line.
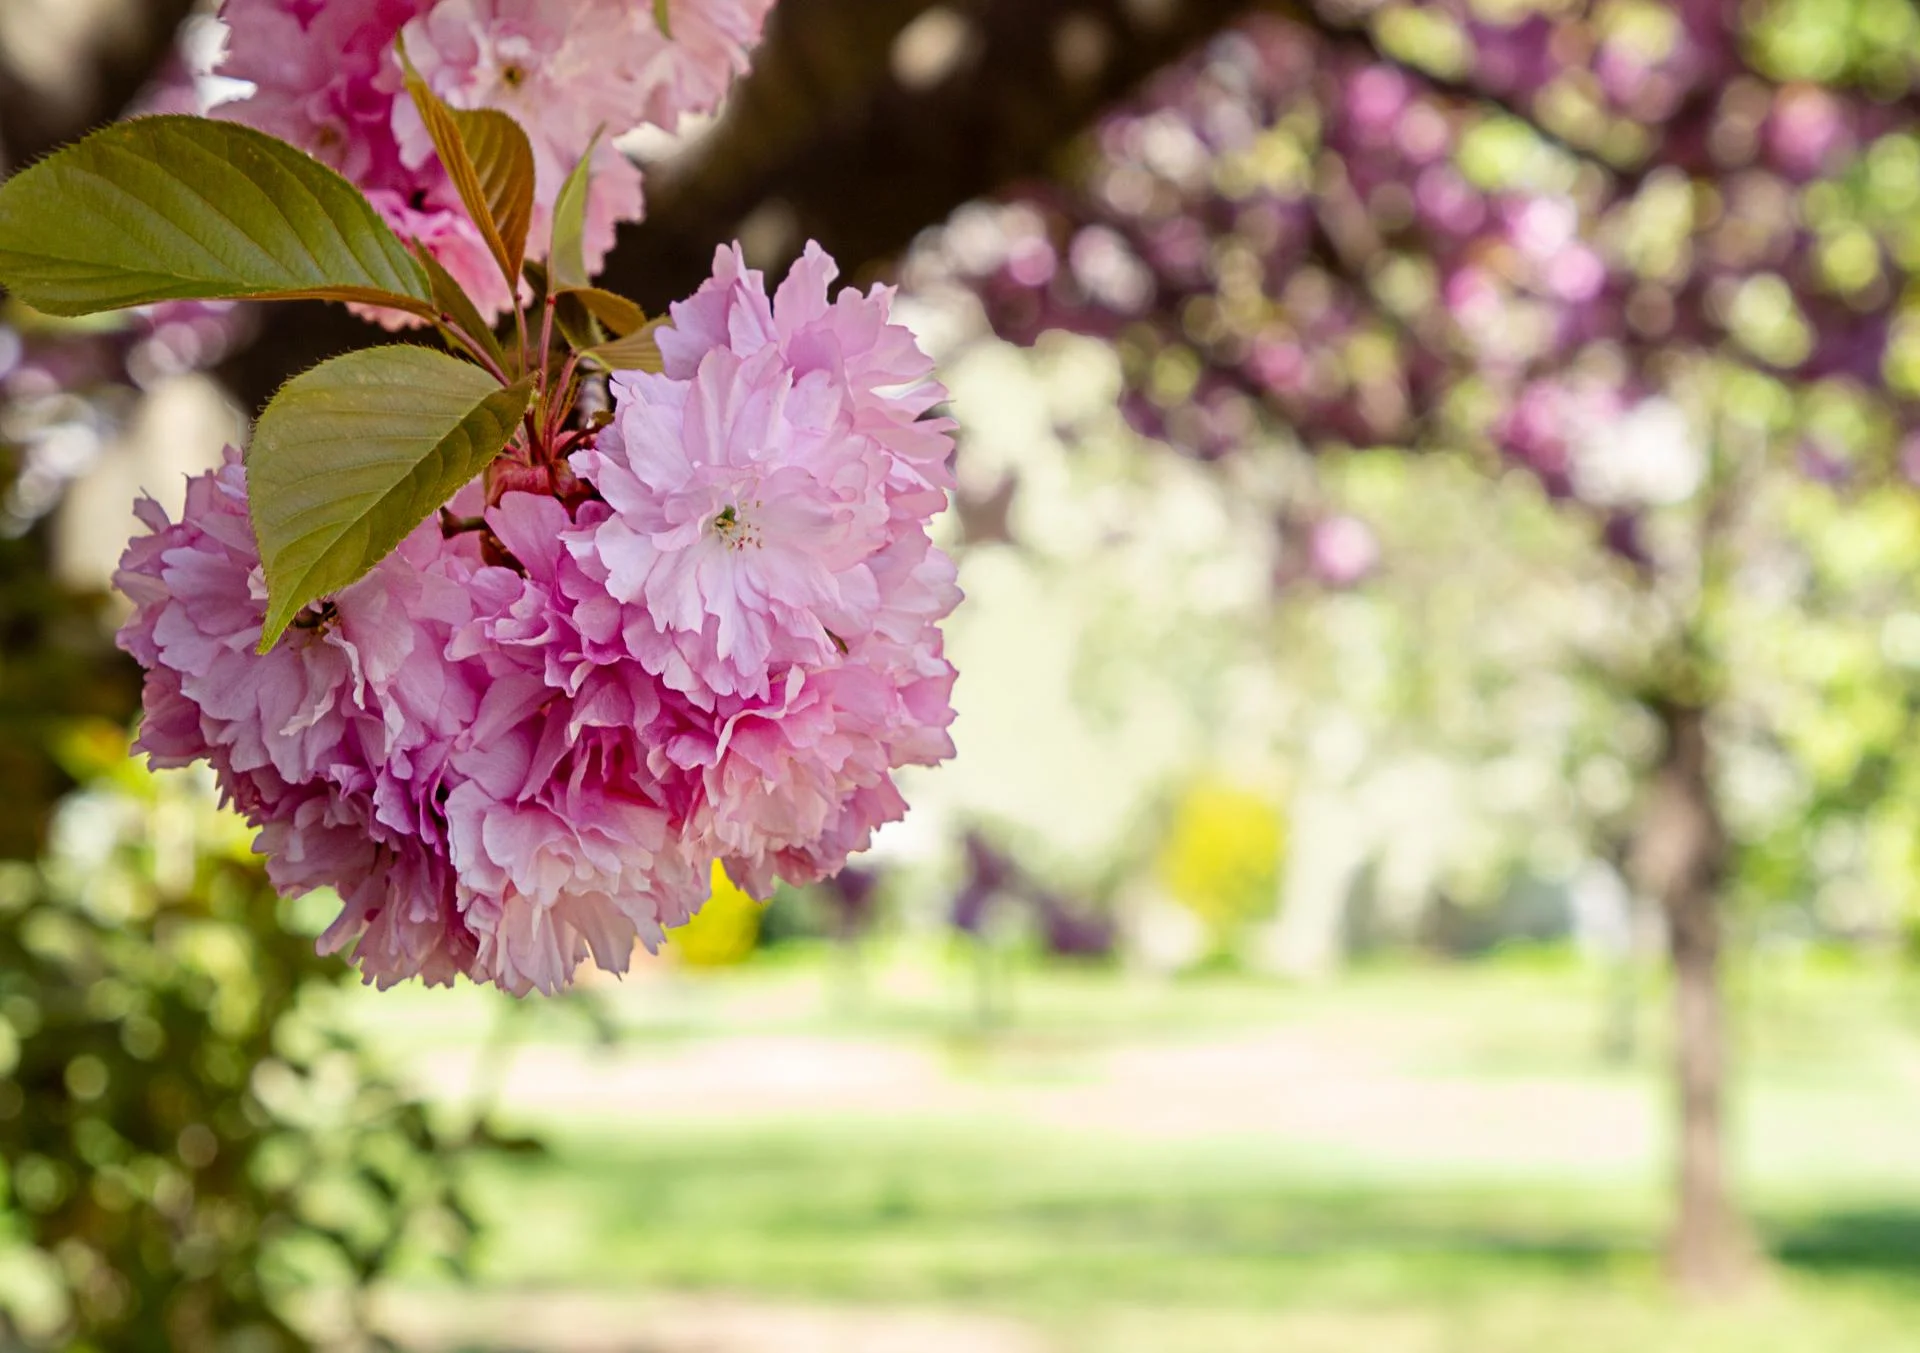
(191,1134)
(1284,961)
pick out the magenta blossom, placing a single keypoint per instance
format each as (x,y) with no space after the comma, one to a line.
(520,742)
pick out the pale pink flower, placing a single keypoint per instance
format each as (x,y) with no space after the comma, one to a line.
(317,70)
(559,69)
(782,774)
(326,79)
(792,789)
(692,72)
(336,742)
(887,378)
(764,525)
(560,844)
(743,509)
(551,65)
(756,483)
(547,609)
(398,910)
(437,220)
(200,599)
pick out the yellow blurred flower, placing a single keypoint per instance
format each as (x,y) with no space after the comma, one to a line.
(725,930)
(1221,856)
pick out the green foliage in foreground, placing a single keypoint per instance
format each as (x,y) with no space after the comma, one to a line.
(351,456)
(188,1131)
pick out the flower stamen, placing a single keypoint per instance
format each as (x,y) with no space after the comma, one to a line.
(734,532)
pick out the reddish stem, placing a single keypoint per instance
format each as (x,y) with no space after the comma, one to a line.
(559,408)
(546,331)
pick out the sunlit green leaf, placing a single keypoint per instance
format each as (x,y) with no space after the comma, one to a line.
(579,328)
(490,161)
(620,315)
(185,208)
(637,351)
(352,455)
(567,259)
(662,17)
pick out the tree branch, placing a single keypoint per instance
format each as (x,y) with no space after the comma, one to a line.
(825,141)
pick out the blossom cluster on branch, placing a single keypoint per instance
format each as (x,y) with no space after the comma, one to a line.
(513,646)
(712,634)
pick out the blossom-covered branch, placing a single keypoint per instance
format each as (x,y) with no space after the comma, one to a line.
(507,669)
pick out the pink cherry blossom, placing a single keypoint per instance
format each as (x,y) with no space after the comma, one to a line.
(398,913)
(326,78)
(438,221)
(561,844)
(556,68)
(743,507)
(566,70)
(336,742)
(758,480)
(766,500)
(888,379)
(317,71)
(513,750)
(691,72)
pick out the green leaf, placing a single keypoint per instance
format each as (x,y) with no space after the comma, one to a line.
(490,161)
(661,17)
(618,313)
(566,260)
(352,455)
(186,208)
(453,302)
(578,328)
(636,352)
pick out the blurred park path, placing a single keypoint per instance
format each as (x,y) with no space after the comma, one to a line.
(1503,1076)
(594,1322)
(1361,1089)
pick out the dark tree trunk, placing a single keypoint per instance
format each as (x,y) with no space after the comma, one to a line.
(1682,862)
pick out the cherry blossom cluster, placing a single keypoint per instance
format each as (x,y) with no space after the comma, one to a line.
(327,77)
(710,634)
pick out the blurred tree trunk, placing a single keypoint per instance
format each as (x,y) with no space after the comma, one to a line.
(851,133)
(1682,860)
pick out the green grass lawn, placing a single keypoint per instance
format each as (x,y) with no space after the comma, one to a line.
(1401,1237)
